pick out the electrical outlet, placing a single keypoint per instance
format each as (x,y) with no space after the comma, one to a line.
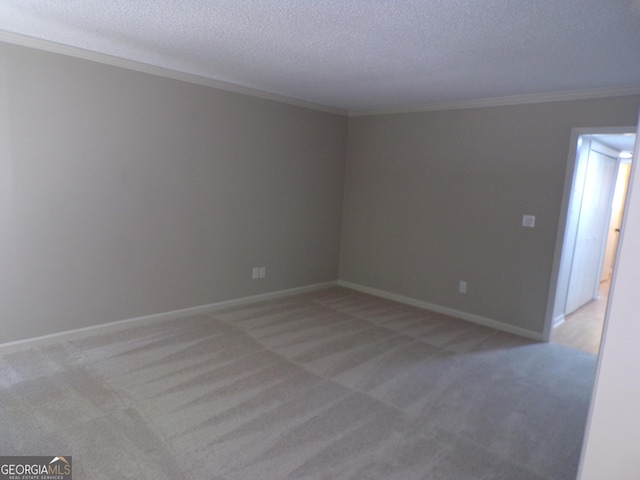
(258,273)
(462,286)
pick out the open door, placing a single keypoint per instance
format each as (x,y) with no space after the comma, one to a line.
(615,226)
(610,449)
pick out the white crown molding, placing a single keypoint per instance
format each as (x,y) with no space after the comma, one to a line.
(53,47)
(469,317)
(508,101)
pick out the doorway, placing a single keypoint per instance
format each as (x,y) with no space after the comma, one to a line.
(596,198)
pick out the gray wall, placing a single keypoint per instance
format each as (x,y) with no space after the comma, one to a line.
(436,197)
(125,194)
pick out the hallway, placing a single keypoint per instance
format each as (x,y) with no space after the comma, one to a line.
(582,329)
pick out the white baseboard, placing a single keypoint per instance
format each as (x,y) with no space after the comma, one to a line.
(559,320)
(149,319)
(470,317)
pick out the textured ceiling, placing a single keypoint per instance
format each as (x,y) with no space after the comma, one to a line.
(359,55)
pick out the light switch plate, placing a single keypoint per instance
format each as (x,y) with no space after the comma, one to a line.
(529,221)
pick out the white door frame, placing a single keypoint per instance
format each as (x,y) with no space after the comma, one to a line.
(564,210)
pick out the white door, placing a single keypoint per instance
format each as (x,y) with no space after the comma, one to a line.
(593,221)
(619,197)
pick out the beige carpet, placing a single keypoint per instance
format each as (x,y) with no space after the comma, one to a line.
(329,385)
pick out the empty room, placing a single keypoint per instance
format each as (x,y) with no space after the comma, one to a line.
(319,240)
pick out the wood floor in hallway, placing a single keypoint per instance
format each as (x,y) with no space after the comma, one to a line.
(582,329)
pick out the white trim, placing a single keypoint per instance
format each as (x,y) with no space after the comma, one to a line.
(559,320)
(157,317)
(470,317)
(53,47)
(508,100)
(49,46)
